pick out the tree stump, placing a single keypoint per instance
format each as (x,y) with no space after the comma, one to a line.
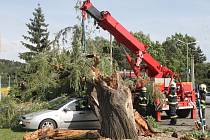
(115,108)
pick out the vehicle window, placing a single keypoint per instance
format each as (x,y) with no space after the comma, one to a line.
(79,105)
(208,94)
(58,103)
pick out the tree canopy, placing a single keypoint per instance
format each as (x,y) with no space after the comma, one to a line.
(175,50)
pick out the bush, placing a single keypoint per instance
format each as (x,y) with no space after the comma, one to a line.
(11,109)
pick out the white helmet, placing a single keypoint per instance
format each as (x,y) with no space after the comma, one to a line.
(143,89)
(173,85)
(202,87)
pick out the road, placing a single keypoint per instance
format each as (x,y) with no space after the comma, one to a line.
(186,124)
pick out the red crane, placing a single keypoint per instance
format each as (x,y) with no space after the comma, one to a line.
(123,36)
(154,68)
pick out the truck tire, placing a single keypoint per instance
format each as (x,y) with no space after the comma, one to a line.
(183,113)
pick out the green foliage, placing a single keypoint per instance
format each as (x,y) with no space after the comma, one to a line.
(176,52)
(197,134)
(11,109)
(154,94)
(49,75)
(9,68)
(76,65)
(119,56)
(8,134)
(169,129)
(202,74)
(42,77)
(55,72)
(37,41)
(152,122)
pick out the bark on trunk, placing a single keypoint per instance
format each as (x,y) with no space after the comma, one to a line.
(115,108)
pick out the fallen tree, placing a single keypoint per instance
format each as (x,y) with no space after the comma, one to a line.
(112,101)
(115,108)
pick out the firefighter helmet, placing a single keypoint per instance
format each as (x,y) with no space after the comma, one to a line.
(173,85)
(203,87)
(144,89)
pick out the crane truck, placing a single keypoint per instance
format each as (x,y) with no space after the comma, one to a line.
(159,74)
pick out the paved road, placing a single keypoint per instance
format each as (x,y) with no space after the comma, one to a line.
(185,124)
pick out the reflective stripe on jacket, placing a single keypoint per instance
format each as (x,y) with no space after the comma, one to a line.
(175,116)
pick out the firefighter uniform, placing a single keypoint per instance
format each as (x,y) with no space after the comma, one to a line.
(172,101)
(202,91)
(143,102)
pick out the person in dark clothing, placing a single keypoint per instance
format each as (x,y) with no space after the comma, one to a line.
(143,102)
(202,91)
(172,101)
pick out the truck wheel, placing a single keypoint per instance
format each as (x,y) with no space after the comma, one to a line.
(183,113)
(48,123)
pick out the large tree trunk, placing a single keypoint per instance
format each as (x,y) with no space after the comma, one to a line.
(115,108)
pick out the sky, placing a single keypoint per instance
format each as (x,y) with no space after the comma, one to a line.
(158,18)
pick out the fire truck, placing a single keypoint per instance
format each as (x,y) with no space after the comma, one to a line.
(160,75)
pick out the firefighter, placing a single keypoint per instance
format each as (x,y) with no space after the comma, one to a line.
(202,91)
(172,101)
(143,102)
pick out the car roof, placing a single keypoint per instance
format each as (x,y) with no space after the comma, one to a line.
(70,98)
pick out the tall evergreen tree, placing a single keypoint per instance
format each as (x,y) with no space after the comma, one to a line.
(37,40)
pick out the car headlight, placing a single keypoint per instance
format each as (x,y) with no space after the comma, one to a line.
(27,117)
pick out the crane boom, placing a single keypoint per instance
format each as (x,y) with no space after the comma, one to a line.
(123,36)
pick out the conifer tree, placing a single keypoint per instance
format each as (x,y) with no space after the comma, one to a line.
(37,40)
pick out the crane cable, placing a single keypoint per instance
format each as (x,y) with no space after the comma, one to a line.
(83,34)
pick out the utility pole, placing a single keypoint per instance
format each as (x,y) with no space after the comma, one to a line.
(187,44)
(111,57)
(9,82)
(187,62)
(193,71)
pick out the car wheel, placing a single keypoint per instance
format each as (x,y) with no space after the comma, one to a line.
(48,123)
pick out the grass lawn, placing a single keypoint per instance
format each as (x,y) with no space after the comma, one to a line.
(8,134)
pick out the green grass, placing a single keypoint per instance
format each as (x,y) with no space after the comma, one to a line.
(8,134)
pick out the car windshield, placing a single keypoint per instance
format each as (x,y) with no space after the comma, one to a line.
(58,103)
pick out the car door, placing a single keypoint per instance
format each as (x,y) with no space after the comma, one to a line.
(66,115)
(83,116)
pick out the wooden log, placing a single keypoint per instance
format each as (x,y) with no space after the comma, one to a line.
(49,133)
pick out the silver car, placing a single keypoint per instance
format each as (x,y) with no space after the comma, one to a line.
(71,113)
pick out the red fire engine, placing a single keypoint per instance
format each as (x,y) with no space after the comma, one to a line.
(158,73)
